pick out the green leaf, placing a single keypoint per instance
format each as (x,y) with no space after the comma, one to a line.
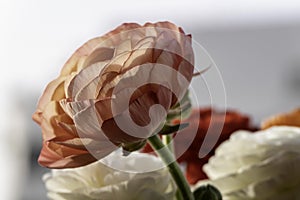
(207,192)
(185,98)
(168,129)
(182,112)
(130,147)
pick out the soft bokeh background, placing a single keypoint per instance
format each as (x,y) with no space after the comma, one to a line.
(255,44)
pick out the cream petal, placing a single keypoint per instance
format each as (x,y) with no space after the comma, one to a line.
(263,165)
(246,152)
(266,169)
(63,183)
(98,180)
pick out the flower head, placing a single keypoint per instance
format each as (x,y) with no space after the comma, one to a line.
(208,121)
(114,91)
(98,181)
(260,165)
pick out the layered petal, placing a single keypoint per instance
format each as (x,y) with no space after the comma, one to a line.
(260,165)
(132,76)
(98,181)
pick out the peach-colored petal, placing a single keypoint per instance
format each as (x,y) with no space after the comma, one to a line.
(132,122)
(150,74)
(120,76)
(88,124)
(123,47)
(140,107)
(112,130)
(176,31)
(101,54)
(50,156)
(53,92)
(73,107)
(92,89)
(146,55)
(114,72)
(83,79)
(145,43)
(99,149)
(87,48)
(51,129)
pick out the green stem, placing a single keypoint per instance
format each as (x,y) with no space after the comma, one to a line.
(174,169)
(167,140)
(179,195)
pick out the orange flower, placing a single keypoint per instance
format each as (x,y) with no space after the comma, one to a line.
(211,120)
(107,93)
(291,118)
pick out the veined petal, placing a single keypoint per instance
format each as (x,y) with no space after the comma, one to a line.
(50,123)
(58,156)
(123,47)
(73,107)
(84,50)
(82,79)
(102,54)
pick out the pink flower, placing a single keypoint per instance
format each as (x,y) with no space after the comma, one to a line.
(102,98)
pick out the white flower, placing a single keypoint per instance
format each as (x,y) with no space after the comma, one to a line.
(258,166)
(98,181)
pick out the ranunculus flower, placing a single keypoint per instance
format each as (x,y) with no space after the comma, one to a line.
(262,165)
(97,181)
(209,121)
(114,91)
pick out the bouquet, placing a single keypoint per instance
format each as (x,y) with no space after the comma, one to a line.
(125,92)
(119,91)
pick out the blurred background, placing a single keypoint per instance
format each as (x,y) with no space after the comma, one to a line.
(255,44)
